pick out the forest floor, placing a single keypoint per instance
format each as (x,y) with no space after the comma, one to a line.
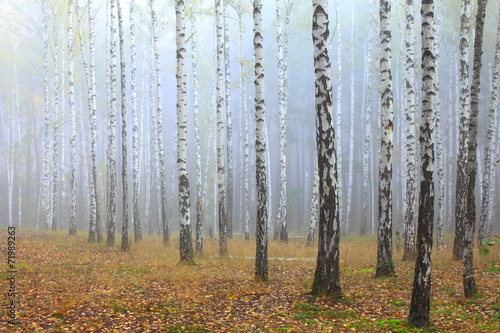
(64,284)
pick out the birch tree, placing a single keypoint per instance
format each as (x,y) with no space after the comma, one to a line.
(470,288)
(186,246)
(71,99)
(221,171)
(461,185)
(261,273)
(135,128)
(125,246)
(410,214)
(199,189)
(111,161)
(45,193)
(350,171)
(313,221)
(327,274)
(420,300)
(488,183)
(159,129)
(55,128)
(385,264)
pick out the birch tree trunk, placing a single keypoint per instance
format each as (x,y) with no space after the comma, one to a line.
(135,129)
(55,128)
(327,274)
(470,288)
(125,246)
(313,222)
(461,184)
(350,171)
(229,126)
(261,273)
(199,190)
(221,171)
(186,246)
(71,98)
(410,214)
(111,216)
(385,264)
(45,199)
(489,148)
(282,92)
(159,129)
(421,294)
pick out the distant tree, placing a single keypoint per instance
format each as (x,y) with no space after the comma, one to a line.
(470,288)
(221,181)
(71,98)
(410,214)
(261,273)
(488,183)
(385,264)
(55,120)
(125,215)
(420,300)
(350,170)
(327,274)
(461,185)
(135,128)
(186,245)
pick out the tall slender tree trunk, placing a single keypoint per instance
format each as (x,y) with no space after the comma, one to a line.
(470,288)
(461,184)
(221,170)
(71,98)
(410,214)
(385,264)
(55,127)
(125,246)
(229,126)
(313,222)
(350,170)
(421,294)
(488,184)
(186,245)
(112,191)
(45,195)
(327,274)
(136,213)
(261,273)
(199,188)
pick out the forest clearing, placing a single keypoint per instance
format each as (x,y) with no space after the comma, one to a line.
(66,284)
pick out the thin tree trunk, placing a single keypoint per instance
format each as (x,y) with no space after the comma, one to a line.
(71,95)
(313,222)
(135,129)
(421,294)
(385,264)
(327,274)
(488,184)
(348,217)
(55,128)
(470,288)
(461,184)
(186,245)
(221,171)
(410,214)
(261,273)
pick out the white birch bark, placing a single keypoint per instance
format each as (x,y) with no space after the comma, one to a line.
(55,123)
(461,183)
(327,274)
(410,213)
(186,246)
(111,157)
(385,264)
(45,193)
(229,126)
(125,245)
(261,271)
(313,220)
(71,99)
(199,189)
(488,183)
(136,216)
(348,216)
